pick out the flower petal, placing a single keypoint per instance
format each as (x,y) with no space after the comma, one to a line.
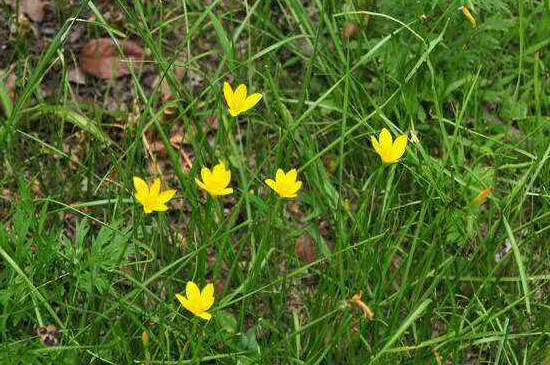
(155,188)
(187,304)
(161,207)
(297,187)
(228,94)
(140,185)
(387,158)
(200,184)
(375,144)
(271,183)
(226,191)
(399,147)
(205,174)
(183,300)
(251,101)
(224,177)
(207,297)
(166,195)
(280,175)
(219,168)
(204,315)
(385,140)
(234,112)
(192,291)
(140,198)
(292,175)
(240,96)
(207,291)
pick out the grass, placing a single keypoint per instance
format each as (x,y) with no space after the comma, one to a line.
(450,281)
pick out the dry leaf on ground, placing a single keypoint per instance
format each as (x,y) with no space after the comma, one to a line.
(305,249)
(75,75)
(34,9)
(101,57)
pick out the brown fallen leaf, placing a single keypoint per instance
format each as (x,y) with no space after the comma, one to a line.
(213,122)
(101,57)
(34,9)
(305,249)
(188,158)
(177,137)
(351,30)
(75,75)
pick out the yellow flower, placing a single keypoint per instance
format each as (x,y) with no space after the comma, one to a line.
(390,151)
(237,101)
(215,182)
(197,301)
(285,184)
(152,198)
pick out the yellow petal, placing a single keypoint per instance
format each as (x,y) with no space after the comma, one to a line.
(286,193)
(226,191)
(271,184)
(183,300)
(192,291)
(155,188)
(280,175)
(140,185)
(388,158)
(228,94)
(205,174)
(224,178)
(291,175)
(166,195)
(204,315)
(187,304)
(160,207)
(200,184)
(219,168)
(375,144)
(399,147)
(207,297)
(385,140)
(207,291)
(251,101)
(297,187)
(240,96)
(140,198)
(234,112)
(147,209)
